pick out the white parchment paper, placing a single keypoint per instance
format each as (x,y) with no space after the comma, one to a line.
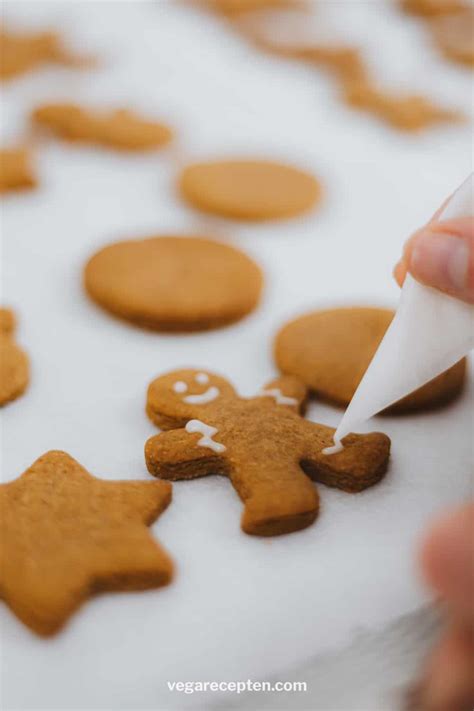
(240,607)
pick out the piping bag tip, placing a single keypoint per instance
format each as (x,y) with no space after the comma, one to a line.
(430,332)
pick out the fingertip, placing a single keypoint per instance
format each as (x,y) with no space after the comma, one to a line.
(447,559)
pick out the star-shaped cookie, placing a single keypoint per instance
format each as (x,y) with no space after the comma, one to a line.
(65,535)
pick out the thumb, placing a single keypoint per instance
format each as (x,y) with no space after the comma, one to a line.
(441,255)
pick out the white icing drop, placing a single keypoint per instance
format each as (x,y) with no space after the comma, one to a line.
(279,397)
(180,387)
(210,395)
(202,378)
(335,448)
(208,433)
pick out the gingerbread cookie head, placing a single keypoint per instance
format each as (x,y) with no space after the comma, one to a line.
(14,363)
(7,322)
(16,172)
(175,398)
(263,444)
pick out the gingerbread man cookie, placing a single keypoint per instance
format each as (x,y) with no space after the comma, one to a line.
(14,365)
(121,129)
(15,170)
(65,535)
(263,444)
(406,113)
(357,87)
(20,53)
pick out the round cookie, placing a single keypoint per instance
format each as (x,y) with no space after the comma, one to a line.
(14,364)
(454,36)
(249,189)
(331,350)
(237,7)
(173,283)
(431,8)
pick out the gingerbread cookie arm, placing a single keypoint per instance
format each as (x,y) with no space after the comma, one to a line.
(278,497)
(186,454)
(287,390)
(361,463)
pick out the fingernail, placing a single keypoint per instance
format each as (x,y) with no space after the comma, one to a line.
(441,260)
(400,271)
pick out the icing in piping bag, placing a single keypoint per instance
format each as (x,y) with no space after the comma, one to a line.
(429,333)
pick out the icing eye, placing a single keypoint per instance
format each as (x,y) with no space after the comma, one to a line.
(180,387)
(202,378)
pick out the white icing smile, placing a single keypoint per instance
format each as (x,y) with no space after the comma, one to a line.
(208,433)
(202,398)
(279,397)
(208,396)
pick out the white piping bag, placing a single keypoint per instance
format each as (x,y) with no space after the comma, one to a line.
(429,333)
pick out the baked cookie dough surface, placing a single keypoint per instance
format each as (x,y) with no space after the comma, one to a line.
(237,7)
(16,172)
(431,8)
(14,364)
(120,129)
(263,444)
(454,36)
(23,52)
(65,535)
(172,283)
(249,189)
(331,350)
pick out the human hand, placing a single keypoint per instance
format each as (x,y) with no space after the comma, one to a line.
(447,561)
(441,255)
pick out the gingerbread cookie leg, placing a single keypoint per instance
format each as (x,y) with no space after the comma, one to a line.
(283,501)
(14,363)
(278,499)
